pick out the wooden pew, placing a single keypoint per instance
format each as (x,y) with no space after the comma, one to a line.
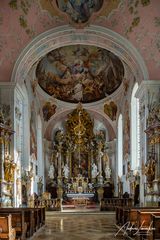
(156,227)
(41,213)
(7,232)
(18,221)
(139,222)
(29,219)
(26,221)
(145,223)
(35,218)
(127,214)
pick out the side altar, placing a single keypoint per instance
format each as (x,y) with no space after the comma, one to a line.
(79,164)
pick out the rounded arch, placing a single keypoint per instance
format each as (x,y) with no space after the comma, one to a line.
(66,35)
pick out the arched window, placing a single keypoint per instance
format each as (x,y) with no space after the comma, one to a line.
(135,132)
(120,146)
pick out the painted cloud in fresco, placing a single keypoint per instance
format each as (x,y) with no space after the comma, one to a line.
(80,73)
(79,10)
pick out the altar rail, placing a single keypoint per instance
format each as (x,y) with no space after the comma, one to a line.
(49,204)
(110,204)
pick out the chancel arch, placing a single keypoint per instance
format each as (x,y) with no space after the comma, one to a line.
(80,157)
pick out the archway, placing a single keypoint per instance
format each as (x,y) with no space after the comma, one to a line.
(92,36)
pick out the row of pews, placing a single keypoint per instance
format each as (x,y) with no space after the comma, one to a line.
(139,222)
(20,223)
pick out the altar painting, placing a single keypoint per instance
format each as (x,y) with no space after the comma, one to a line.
(80,164)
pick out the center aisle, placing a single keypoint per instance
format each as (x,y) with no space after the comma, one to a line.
(78,226)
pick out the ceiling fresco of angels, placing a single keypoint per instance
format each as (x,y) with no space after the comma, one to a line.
(79,10)
(80,73)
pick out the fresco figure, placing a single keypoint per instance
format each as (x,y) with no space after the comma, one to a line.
(111,110)
(79,10)
(79,73)
(48,110)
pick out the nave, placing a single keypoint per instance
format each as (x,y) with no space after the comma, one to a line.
(78,226)
(79,118)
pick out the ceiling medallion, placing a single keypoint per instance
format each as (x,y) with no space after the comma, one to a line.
(80,73)
(79,11)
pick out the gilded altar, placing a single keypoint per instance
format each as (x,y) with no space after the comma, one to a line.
(79,160)
(152,165)
(7,165)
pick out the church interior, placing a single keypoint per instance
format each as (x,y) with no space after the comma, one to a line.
(79,119)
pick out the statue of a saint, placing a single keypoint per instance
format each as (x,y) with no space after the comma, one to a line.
(94,170)
(106,158)
(66,171)
(150,169)
(9,168)
(107,171)
(51,171)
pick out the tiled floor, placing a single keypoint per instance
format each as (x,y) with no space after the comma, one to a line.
(78,226)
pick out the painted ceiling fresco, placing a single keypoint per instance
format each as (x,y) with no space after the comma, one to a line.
(136,20)
(80,11)
(80,73)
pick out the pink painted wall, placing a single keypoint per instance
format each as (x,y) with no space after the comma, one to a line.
(140,24)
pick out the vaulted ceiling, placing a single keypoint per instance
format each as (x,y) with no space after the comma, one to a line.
(136,20)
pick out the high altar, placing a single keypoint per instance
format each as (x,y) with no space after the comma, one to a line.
(79,162)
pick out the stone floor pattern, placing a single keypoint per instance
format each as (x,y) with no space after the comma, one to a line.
(65,226)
